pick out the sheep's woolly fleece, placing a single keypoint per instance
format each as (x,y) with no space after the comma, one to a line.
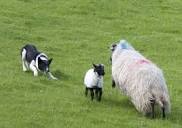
(139,78)
(92,79)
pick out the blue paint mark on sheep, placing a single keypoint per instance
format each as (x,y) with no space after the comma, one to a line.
(125,45)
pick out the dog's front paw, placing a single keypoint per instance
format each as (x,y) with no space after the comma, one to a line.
(35,73)
(25,70)
(53,78)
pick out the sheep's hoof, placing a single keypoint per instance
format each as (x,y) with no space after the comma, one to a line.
(149,115)
(163,113)
(113,84)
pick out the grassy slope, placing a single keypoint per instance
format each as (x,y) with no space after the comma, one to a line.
(76,33)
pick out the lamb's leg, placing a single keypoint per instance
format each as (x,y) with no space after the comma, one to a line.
(92,93)
(97,93)
(86,91)
(152,105)
(113,84)
(100,94)
(163,112)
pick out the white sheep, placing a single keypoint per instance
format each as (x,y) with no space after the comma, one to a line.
(94,81)
(139,79)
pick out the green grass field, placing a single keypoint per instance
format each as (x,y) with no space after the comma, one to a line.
(76,33)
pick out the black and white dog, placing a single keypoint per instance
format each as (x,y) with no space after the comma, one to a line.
(35,61)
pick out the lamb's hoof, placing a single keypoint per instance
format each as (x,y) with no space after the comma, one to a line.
(99,100)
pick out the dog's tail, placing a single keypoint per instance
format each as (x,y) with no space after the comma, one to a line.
(21,51)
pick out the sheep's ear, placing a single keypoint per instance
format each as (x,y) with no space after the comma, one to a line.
(113,46)
(94,65)
(49,61)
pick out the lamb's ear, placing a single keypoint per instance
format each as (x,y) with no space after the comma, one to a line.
(94,65)
(50,60)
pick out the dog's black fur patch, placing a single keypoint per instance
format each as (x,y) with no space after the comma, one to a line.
(31,52)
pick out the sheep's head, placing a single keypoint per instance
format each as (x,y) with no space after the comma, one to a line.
(99,69)
(112,48)
(122,44)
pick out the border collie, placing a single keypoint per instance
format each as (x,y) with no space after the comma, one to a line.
(35,61)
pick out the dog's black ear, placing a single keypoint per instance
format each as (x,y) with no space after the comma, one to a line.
(50,60)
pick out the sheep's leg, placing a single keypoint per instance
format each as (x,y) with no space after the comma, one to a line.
(111,60)
(86,91)
(163,112)
(152,105)
(113,84)
(100,94)
(92,93)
